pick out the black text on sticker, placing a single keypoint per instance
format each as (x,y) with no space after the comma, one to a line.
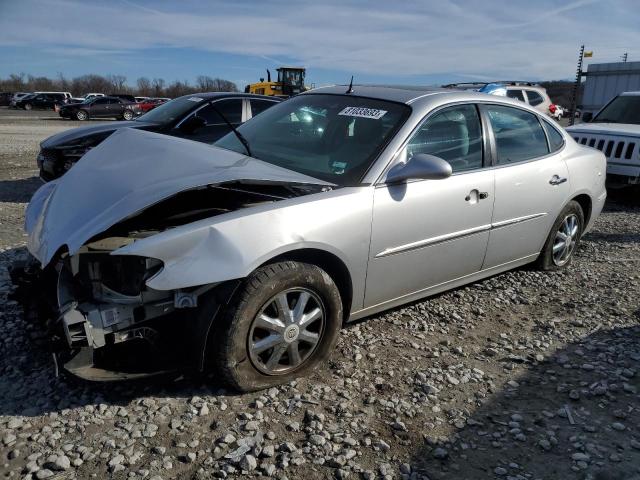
(363,112)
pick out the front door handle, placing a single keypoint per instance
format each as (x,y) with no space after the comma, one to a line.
(557,180)
(475,195)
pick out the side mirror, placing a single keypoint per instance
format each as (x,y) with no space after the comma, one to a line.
(191,124)
(587,117)
(420,166)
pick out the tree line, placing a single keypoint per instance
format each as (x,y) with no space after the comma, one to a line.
(561,91)
(144,87)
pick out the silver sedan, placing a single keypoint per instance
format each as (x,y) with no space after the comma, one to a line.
(249,255)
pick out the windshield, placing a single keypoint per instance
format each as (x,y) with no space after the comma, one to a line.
(622,109)
(331,137)
(172,110)
(291,77)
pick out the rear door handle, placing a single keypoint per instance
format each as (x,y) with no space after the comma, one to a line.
(557,180)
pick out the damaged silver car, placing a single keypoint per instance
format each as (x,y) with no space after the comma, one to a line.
(248,256)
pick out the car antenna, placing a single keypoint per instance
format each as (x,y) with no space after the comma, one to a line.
(350,89)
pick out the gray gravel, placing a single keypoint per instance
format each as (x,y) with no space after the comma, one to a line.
(525,375)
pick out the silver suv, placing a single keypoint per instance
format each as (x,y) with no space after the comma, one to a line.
(530,93)
(527,92)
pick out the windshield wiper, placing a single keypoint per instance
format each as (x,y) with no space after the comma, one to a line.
(243,140)
(603,120)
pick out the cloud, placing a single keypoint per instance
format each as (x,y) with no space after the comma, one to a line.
(479,39)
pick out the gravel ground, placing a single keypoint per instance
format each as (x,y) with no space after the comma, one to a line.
(525,375)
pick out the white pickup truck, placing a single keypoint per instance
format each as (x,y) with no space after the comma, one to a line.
(615,131)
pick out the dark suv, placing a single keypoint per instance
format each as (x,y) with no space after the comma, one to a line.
(100,107)
(43,101)
(5,98)
(200,117)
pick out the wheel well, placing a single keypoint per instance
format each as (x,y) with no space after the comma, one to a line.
(585,202)
(331,264)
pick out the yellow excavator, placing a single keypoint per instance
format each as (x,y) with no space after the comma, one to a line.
(290,82)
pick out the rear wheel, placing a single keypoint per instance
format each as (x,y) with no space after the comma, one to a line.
(563,239)
(82,115)
(28,106)
(127,115)
(283,322)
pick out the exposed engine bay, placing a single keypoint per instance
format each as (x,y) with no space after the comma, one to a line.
(205,202)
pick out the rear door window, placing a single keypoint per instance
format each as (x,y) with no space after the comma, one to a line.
(258,106)
(231,109)
(519,135)
(517,94)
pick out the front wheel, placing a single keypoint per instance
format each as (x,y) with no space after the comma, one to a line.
(28,106)
(284,321)
(563,239)
(82,115)
(127,115)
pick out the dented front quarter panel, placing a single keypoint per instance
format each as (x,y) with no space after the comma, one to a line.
(128,172)
(232,245)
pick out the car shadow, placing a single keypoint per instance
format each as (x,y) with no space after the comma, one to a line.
(574,414)
(628,196)
(19,190)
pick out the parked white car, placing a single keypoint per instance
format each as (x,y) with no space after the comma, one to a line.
(87,97)
(615,131)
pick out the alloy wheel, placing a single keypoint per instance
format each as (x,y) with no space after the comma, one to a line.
(286,331)
(565,240)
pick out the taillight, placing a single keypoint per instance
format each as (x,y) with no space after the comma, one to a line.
(552,108)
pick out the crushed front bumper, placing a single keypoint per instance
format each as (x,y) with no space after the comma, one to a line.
(110,341)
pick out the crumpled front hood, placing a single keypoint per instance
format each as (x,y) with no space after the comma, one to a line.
(69,136)
(129,171)
(606,129)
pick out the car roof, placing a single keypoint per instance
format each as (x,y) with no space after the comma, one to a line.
(394,93)
(208,95)
(403,94)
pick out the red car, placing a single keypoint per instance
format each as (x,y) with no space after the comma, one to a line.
(150,104)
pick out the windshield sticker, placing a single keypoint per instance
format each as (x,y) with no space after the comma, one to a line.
(195,99)
(363,112)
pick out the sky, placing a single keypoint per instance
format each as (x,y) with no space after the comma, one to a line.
(376,41)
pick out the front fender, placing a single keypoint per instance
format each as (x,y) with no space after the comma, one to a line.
(232,245)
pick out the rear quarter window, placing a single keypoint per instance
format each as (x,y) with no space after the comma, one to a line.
(556,140)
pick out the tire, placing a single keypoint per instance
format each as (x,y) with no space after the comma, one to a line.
(571,219)
(28,106)
(82,115)
(234,345)
(127,115)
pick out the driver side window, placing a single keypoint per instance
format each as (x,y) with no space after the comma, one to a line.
(453,134)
